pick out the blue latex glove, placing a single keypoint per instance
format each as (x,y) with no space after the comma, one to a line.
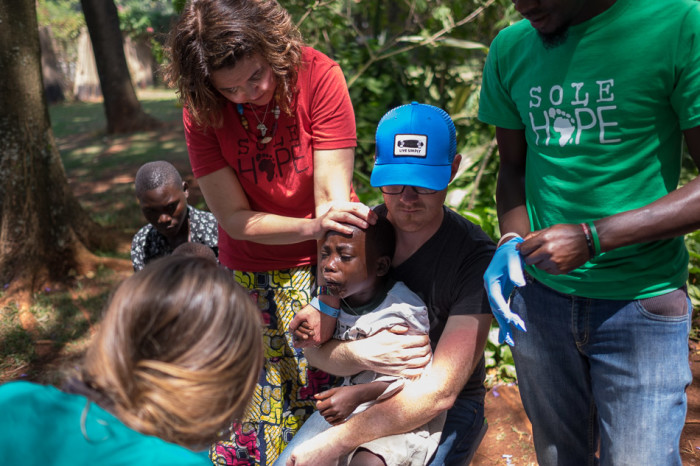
(503,274)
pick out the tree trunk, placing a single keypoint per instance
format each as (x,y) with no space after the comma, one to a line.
(123,110)
(44,233)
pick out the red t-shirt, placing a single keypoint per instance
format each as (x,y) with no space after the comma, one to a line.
(277,177)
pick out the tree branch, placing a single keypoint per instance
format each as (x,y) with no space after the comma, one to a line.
(383,54)
(482,167)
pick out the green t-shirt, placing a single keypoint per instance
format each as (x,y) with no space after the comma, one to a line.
(42,425)
(603,114)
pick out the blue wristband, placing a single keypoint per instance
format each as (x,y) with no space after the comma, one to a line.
(323,307)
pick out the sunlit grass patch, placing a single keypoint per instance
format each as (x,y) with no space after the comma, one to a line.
(61,324)
(16,345)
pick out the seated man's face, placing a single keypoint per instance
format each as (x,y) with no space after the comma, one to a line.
(165,208)
(344,265)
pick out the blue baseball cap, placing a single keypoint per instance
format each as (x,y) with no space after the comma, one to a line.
(416,144)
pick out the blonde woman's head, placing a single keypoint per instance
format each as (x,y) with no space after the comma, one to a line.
(178,352)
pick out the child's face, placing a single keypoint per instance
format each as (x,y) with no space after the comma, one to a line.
(346,268)
(165,208)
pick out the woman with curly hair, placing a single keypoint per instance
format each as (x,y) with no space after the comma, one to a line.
(176,357)
(270,133)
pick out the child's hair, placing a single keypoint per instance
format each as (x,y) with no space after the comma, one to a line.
(215,34)
(195,250)
(178,352)
(153,175)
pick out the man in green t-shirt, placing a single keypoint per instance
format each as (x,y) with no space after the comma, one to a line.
(590,101)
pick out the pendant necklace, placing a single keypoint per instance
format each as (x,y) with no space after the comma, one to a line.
(264,139)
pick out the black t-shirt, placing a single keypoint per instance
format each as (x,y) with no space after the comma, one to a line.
(447,273)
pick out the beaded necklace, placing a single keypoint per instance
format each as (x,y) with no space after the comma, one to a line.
(261,124)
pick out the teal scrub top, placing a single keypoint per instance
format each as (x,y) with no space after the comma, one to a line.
(42,425)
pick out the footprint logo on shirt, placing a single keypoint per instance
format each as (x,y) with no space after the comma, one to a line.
(266,164)
(564,125)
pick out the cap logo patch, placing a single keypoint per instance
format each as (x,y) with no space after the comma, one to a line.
(410,145)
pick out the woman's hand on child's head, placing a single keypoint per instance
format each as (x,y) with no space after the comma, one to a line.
(336,404)
(394,352)
(339,215)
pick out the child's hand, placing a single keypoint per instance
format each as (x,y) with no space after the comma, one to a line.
(336,404)
(303,332)
(320,327)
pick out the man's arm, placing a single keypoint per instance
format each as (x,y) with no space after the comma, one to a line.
(387,352)
(673,215)
(459,350)
(505,271)
(510,188)
(562,248)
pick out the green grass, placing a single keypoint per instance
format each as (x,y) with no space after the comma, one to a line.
(63,320)
(71,118)
(16,345)
(86,149)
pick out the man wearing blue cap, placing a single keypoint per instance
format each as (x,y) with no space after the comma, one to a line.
(441,257)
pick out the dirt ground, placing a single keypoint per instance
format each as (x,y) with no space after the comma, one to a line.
(508,440)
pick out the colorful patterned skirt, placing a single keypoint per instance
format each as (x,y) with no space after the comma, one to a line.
(283,398)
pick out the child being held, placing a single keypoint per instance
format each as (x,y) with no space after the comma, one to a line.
(355,268)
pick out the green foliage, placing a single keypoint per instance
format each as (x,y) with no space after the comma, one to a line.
(66,20)
(136,17)
(65,17)
(147,20)
(499,359)
(151,18)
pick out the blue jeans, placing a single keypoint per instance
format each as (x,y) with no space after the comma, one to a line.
(602,372)
(462,426)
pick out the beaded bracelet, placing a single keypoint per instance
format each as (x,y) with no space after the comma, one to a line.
(589,241)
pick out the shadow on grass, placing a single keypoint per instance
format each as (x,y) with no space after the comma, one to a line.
(64,320)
